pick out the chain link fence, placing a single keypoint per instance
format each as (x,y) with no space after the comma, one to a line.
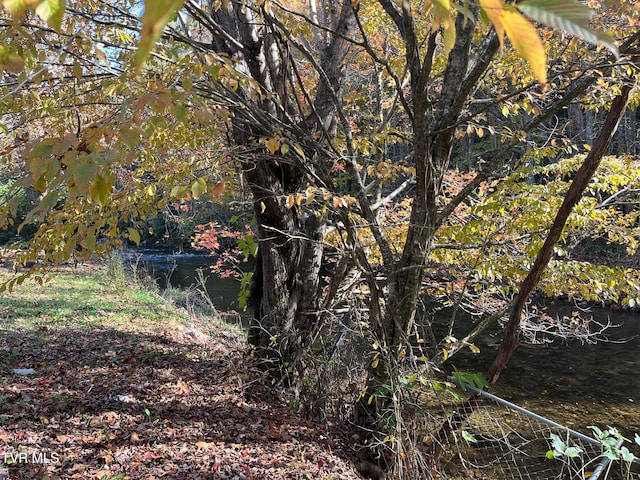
(501,440)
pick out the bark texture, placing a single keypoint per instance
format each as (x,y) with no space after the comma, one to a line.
(285,294)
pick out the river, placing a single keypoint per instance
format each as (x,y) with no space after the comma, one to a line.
(180,270)
(572,383)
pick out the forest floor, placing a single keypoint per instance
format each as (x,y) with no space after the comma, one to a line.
(101,379)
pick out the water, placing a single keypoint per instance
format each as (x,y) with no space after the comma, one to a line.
(571,383)
(181,271)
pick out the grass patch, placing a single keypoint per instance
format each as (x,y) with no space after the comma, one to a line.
(77,298)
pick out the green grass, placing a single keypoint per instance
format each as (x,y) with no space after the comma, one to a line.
(84,298)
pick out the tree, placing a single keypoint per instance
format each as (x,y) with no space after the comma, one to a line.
(331,111)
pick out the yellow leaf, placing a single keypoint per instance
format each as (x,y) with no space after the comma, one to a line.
(449,37)
(17,8)
(310,198)
(291,200)
(445,353)
(77,70)
(526,41)
(299,198)
(412,378)
(263,207)
(11,61)
(52,11)
(493,10)
(299,151)
(102,56)
(157,14)
(100,189)
(273,144)
(442,18)
(474,348)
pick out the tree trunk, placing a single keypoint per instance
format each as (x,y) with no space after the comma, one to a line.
(433,139)
(579,184)
(285,294)
(577,128)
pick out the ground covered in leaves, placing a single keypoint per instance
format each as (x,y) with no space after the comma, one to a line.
(102,380)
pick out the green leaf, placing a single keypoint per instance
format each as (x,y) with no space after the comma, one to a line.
(596,430)
(52,11)
(89,242)
(134,236)
(569,16)
(199,188)
(49,200)
(181,113)
(179,192)
(573,452)
(100,189)
(84,174)
(627,456)
(474,379)
(557,443)
(157,14)
(469,437)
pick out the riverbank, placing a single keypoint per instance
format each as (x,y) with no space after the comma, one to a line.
(102,379)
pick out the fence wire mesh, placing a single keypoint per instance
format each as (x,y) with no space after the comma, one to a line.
(503,441)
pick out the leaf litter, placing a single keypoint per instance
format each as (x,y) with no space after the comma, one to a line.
(143,400)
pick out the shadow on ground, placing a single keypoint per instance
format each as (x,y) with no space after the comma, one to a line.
(109,404)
